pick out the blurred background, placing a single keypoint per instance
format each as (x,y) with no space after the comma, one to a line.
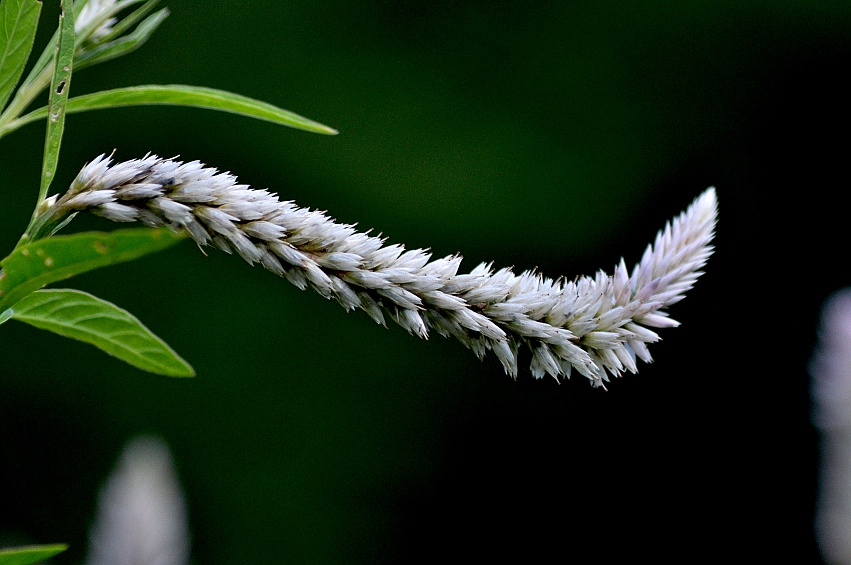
(551,135)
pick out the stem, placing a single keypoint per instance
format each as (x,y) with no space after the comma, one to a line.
(23,98)
(45,223)
(18,123)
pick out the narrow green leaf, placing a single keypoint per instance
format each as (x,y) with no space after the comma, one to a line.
(42,262)
(59,87)
(47,56)
(180,95)
(18,22)
(81,316)
(122,45)
(29,554)
(41,73)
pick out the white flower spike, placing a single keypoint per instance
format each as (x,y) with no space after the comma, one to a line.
(598,326)
(93,11)
(142,518)
(830,368)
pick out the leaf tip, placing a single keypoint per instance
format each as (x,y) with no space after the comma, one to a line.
(30,553)
(177,368)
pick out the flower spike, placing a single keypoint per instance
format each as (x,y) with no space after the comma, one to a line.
(596,325)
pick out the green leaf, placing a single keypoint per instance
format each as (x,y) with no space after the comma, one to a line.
(47,56)
(81,316)
(59,87)
(122,45)
(29,554)
(42,262)
(18,22)
(180,95)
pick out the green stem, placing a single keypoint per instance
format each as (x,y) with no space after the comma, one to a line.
(23,98)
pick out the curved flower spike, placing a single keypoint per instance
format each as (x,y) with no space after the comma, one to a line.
(598,326)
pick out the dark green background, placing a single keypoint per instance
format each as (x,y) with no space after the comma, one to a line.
(556,135)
